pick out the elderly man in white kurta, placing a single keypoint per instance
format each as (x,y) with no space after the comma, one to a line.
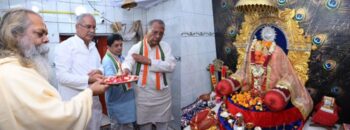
(28,101)
(153,60)
(77,65)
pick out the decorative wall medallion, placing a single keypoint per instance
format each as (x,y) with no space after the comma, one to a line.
(319,39)
(224,4)
(228,50)
(332,4)
(231,32)
(300,14)
(329,65)
(281,2)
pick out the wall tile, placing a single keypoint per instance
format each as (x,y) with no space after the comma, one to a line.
(65,28)
(73,28)
(64,18)
(197,6)
(88,8)
(117,13)
(204,86)
(18,3)
(196,45)
(64,0)
(187,64)
(176,75)
(175,45)
(51,56)
(144,19)
(100,8)
(189,46)
(137,14)
(96,2)
(202,23)
(171,9)
(109,28)
(49,5)
(73,6)
(196,62)
(172,27)
(156,12)
(73,19)
(109,14)
(52,32)
(126,47)
(187,90)
(4,4)
(127,16)
(32,4)
(50,17)
(101,28)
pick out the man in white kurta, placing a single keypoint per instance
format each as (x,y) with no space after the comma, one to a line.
(153,102)
(76,60)
(28,101)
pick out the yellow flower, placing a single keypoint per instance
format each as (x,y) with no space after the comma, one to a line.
(252,102)
(246,105)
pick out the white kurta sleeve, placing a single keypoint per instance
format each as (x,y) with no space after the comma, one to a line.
(129,62)
(31,103)
(63,61)
(169,63)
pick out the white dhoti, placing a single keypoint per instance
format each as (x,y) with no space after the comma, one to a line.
(153,105)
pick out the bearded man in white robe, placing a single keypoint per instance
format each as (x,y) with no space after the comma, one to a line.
(28,101)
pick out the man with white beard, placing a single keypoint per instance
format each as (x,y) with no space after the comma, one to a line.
(28,101)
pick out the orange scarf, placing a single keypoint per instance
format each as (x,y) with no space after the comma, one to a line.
(145,67)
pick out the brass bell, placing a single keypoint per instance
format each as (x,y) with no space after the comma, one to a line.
(128,4)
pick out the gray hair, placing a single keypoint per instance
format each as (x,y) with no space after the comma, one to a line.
(13,25)
(149,26)
(82,16)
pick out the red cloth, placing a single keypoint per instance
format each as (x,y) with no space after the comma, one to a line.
(224,88)
(265,118)
(203,120)
(277,99)
(325,118)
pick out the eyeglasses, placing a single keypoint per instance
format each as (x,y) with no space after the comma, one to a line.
(88,27)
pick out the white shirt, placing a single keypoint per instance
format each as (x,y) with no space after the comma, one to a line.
(166,66)
(74,60)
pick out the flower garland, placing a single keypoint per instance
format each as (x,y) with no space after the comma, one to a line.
(259,62)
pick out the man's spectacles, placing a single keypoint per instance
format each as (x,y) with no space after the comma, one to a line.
(88,27)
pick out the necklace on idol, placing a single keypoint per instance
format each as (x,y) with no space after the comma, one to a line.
(258,66)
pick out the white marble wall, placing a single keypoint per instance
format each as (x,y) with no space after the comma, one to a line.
(198,50)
